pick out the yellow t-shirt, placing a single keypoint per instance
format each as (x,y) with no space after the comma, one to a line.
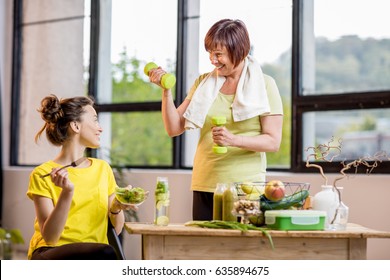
(237,165)
(88,215)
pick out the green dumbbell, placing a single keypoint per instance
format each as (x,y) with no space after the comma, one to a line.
(167,80)
(219,121)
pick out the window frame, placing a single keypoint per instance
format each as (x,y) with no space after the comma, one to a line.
(153,106)
(16,80)
(300,103)
(322,102)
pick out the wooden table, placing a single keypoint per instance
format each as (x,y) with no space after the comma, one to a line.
(179,242)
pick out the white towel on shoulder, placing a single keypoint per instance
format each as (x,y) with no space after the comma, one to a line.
(250,100)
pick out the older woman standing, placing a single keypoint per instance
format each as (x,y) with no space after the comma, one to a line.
(238,90)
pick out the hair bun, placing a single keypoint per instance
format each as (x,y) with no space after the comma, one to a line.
(51,110)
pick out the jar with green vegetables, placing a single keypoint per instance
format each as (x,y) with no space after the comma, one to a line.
(162,202)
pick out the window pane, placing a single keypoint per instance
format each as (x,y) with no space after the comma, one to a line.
(270,46)
(136,139)
(140,33)
(346,46)
(363,132)
(52,62)
(87,42)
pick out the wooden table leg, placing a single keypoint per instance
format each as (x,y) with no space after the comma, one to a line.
(357,248)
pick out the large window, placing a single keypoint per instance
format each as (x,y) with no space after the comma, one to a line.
(270,46)
(175,40)
(329,58)
(342,80)
(130,34)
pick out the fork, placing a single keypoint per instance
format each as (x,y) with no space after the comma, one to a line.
(73,164)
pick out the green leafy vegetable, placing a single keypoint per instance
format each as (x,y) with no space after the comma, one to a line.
(161,188)
(131,196)
(216,224)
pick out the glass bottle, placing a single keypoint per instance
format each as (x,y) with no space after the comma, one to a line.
(162,202)
(340,218)
(217,204)
(326,200)
(228,198)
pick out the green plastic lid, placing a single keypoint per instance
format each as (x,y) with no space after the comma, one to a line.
(295,213)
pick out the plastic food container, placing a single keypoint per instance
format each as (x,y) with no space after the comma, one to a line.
(295,219)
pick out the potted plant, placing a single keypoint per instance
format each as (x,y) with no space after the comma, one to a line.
(7,239)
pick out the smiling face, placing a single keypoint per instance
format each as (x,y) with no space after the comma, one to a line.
(227,39)
(90,129)
(221,60)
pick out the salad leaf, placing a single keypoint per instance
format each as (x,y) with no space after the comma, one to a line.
(131,196)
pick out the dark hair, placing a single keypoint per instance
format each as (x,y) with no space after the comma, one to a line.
(57,115)
(231,34)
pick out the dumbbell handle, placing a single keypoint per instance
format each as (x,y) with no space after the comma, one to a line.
(167,80)
(219,121)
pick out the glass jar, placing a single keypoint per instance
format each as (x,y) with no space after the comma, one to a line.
(326,200)
(217,203)
(228,198)
(161,195)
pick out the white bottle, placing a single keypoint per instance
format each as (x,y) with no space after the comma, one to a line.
(326,200)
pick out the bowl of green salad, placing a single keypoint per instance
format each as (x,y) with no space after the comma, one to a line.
(131,196)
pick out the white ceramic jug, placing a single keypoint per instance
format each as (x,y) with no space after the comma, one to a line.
(326,200)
